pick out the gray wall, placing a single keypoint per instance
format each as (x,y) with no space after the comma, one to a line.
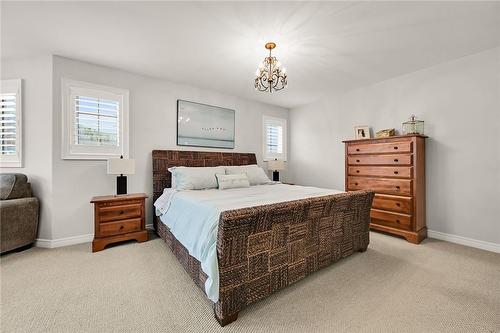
(460,104)
(36,73)
(65,187)
(153,118)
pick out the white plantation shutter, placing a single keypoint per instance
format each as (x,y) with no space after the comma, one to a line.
(274,138)
(95,121)
(10,123)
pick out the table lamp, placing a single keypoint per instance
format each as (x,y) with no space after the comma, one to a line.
(121,166)
(276,165)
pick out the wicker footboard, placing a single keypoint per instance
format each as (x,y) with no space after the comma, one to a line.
(266,248)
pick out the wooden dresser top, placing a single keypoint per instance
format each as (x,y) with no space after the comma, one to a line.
(386,138)
(118,197)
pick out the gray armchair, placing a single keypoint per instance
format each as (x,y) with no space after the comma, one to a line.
(18,212)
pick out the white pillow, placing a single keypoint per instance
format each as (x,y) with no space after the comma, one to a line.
(256,175)
(195,178)
(237,180)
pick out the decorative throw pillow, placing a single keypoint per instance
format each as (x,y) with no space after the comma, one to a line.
(195,178)
(256,175)
(237,180)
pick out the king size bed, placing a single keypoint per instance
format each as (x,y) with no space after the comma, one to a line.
(240,245)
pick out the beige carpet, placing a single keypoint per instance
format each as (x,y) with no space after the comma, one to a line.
(393,287)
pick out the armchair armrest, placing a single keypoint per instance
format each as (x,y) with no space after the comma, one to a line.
(18,222)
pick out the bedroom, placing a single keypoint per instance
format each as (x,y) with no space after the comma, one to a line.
(363,65)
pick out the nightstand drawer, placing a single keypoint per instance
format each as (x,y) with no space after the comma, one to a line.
(123,212)
(120,227)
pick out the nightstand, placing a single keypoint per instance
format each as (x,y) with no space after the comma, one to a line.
(118,218)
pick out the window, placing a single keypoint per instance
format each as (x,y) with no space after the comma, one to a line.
(274,138)
(95,121)
(10,123)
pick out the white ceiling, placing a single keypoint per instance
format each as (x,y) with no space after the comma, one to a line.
(327,47)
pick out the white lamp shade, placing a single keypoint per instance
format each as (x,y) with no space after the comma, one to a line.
(121,166)
(276,165)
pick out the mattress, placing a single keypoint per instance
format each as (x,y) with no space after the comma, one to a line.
(193,216)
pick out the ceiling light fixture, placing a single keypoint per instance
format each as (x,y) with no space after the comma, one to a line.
(270,75)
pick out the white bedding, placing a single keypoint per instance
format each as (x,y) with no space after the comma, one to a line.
(193,217)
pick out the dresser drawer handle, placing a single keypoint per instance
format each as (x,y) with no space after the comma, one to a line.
(357,171)
(395,172)
(396,160)
(357,161)
(398,204)
(356,184)
(121,227)
(398,188)
(357,149)
(121,212)
(398,221)
(396,147)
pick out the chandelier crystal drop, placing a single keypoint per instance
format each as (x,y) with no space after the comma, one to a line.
(271,75)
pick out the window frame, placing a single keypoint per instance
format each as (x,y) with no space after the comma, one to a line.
(14,86)
(271,156)
(70,150)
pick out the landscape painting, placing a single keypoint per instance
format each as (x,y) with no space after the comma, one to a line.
(201,125)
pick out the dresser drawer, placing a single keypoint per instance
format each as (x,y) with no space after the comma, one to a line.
(380,148)
(121,212)
(399,159)
(120,227)
(380,171)
(380,185)
(395,220)
(393,203)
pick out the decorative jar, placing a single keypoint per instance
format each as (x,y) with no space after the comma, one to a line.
(413,126)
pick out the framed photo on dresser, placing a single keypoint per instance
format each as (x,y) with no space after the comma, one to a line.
(362,132)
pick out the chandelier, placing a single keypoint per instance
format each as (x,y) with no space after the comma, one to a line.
(271,75)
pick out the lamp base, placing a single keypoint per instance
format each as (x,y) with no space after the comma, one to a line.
(276,176)
(121,184)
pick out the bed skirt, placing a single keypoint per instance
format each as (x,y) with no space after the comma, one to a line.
(263,249)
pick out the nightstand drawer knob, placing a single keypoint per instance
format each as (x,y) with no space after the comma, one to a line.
(121,212)
(121,227)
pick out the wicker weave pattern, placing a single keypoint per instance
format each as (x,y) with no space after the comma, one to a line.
(266,248)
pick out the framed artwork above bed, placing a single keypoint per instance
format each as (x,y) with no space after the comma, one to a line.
(201,125)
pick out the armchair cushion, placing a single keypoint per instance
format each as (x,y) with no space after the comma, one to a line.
(14,186)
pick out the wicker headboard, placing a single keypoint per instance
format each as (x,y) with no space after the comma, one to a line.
(164,159)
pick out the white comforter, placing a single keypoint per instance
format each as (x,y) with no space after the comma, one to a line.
(193,217)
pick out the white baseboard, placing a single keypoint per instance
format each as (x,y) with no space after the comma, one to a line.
(53,243)
(493,247)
